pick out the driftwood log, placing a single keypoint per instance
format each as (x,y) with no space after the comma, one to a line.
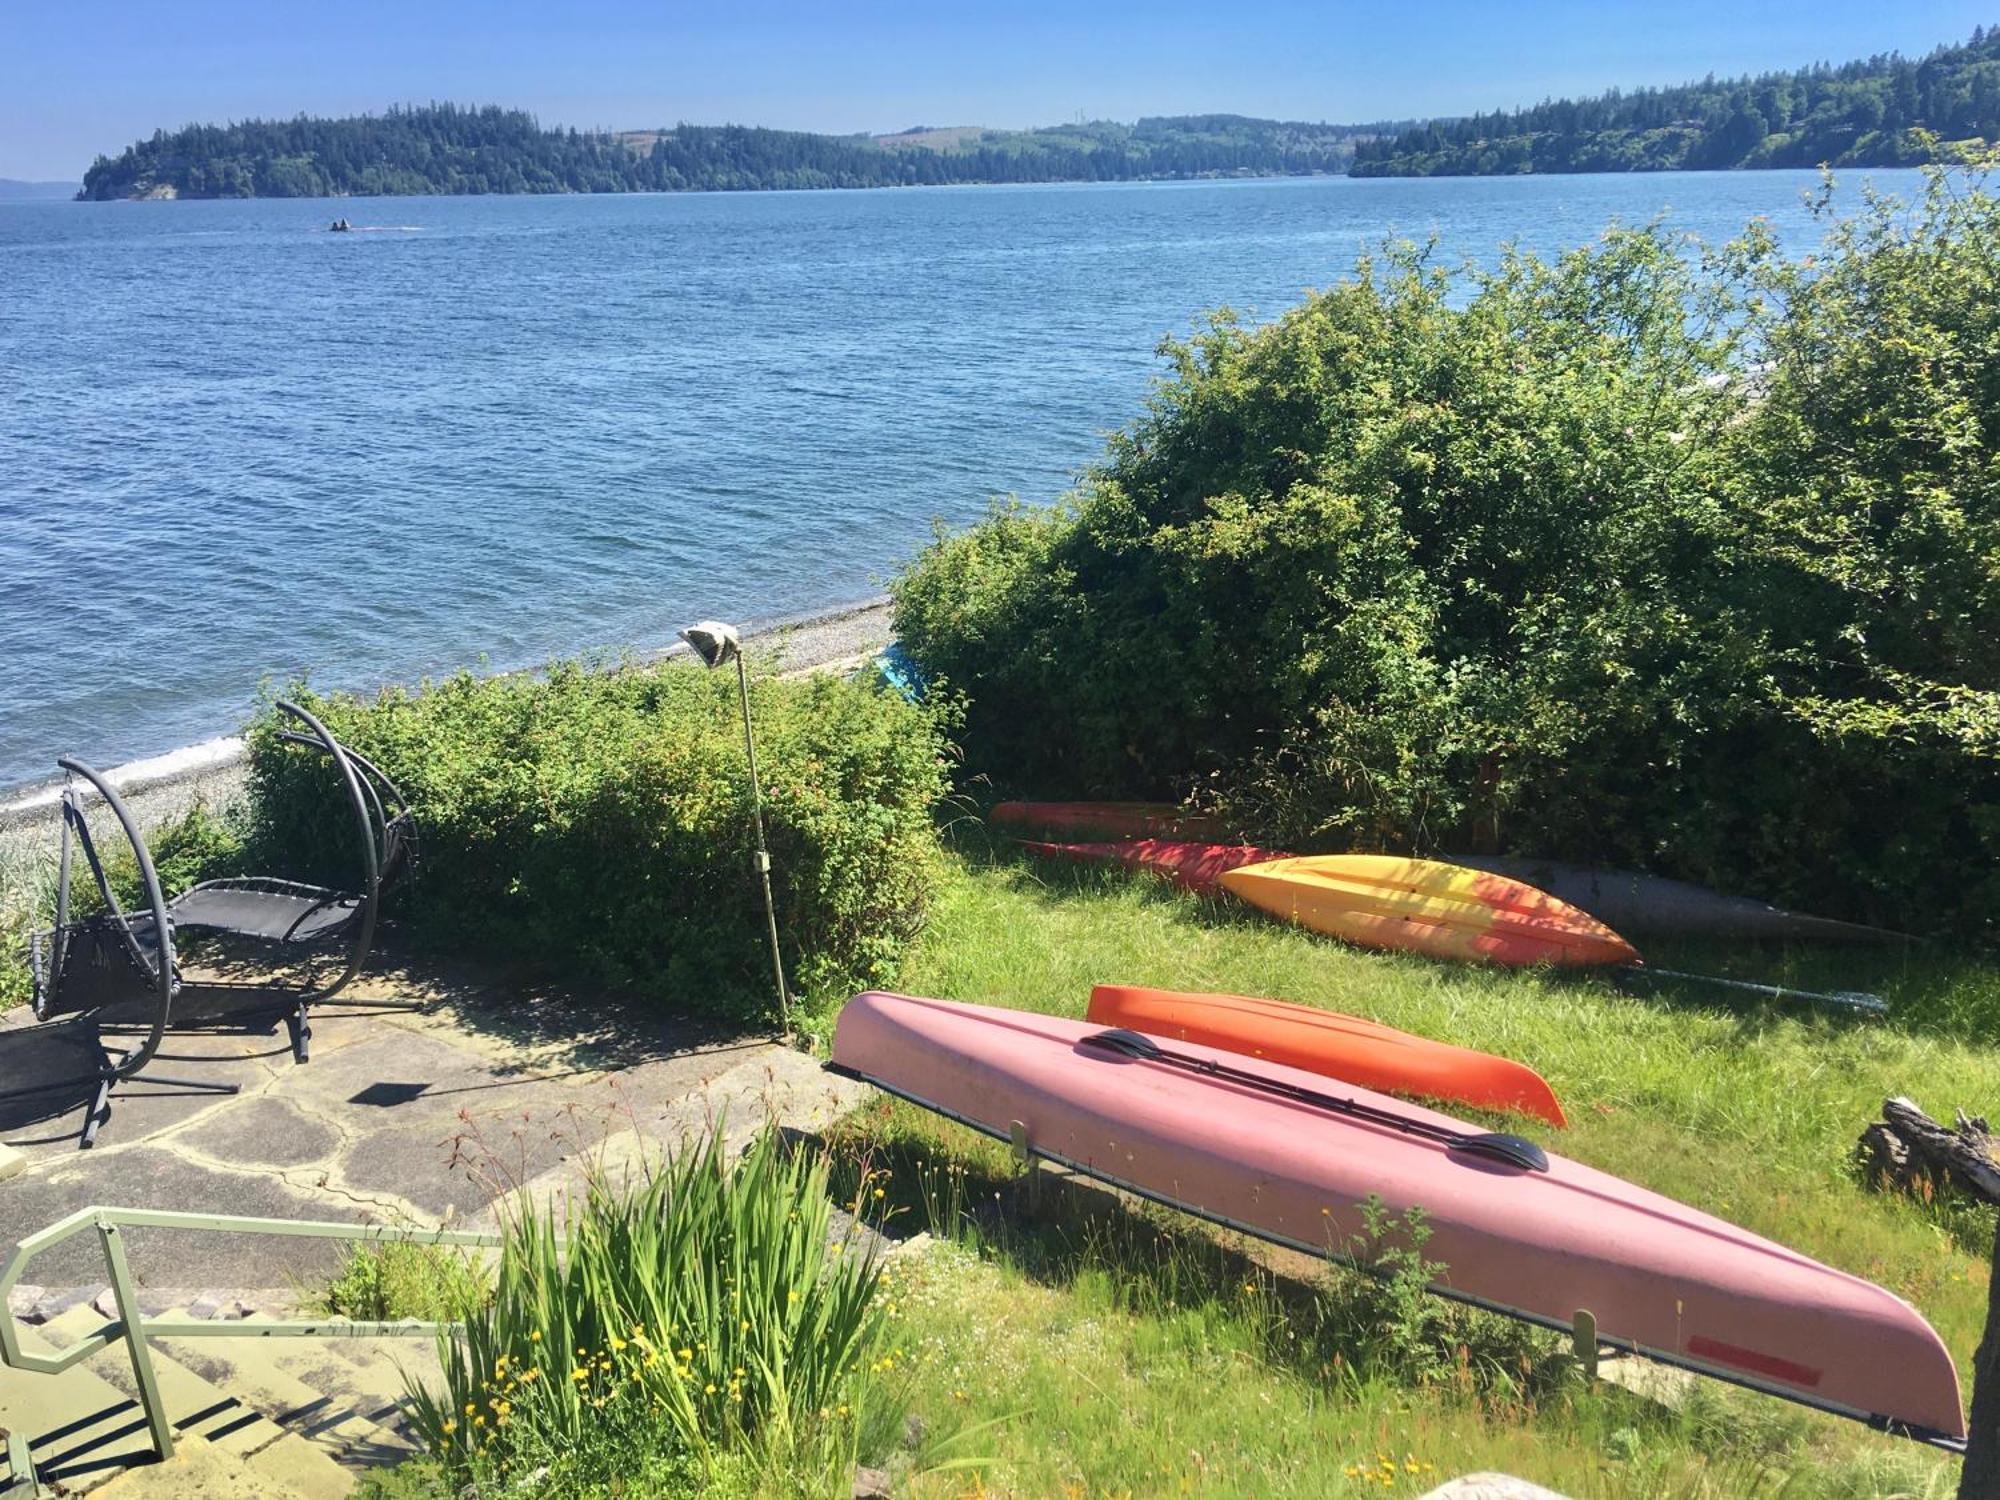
(1908,1150)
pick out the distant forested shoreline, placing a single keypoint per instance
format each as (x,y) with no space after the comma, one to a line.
(452,149)
(1886,111)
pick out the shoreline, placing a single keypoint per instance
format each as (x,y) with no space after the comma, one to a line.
(160,787)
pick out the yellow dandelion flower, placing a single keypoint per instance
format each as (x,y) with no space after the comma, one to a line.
(450,1426)
(535,1337)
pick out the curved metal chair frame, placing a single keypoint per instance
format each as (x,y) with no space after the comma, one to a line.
(287,914)
(114,957)
(80,966)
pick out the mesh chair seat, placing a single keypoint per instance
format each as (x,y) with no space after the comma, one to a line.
(271,911)
(88,965)
(114,957)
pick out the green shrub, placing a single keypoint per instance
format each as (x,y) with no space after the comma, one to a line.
(1386,1322)
(705,1320)
(599,822)
(404,1279)
(1523,558)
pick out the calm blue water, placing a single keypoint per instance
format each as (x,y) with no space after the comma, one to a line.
(496,430)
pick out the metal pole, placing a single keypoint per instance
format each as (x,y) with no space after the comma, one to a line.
(132,1324)
(762,858)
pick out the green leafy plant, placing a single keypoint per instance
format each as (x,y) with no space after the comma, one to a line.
(702,1318)
(599,822)
(1384,1321)
(405,1279)
(1645,555)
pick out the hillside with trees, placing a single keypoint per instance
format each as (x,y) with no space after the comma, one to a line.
(447,148)
(1886,111)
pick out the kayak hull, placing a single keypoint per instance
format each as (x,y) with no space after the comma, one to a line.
(1423,906)
(1191,866)
(1349,1048)
(1660,1278)
(1653,904)
(1110,820)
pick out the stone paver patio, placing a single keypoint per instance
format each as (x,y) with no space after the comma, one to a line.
(418,1118)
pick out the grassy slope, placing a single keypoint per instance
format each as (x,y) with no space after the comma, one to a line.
(1748,1112)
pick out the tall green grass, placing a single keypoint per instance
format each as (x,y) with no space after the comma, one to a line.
(703,1322)
(27,893)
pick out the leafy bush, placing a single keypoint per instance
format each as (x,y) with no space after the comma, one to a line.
(1386,1322)
(1524,558)
(404,1279)
(704,1321)
(600,821)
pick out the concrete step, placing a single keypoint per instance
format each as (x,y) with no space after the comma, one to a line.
(81,1429)
(198,1408)
(201,1471)
(344,1396)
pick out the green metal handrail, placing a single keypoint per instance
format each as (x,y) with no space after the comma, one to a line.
(137,1330)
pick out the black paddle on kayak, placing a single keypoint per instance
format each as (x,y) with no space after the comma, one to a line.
(1516,1151)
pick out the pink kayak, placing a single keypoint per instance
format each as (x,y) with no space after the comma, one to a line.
(1194,867)
(1246,1145)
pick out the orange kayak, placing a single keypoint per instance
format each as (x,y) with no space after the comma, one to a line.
(1194,867)
(1423,906)
(1110,820)
(1324,1041)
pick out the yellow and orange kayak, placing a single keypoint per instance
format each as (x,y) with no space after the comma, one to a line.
(1324,1041)
(1423,906)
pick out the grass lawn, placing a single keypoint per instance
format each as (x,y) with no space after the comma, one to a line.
(1094,1362)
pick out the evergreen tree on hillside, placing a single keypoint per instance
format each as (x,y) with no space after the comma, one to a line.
(448,148)
(1871,113)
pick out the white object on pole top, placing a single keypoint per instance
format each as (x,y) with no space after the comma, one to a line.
(714,642)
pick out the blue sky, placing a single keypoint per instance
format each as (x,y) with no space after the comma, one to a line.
(78,80)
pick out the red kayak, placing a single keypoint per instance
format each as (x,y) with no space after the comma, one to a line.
(1327,1042)
(1266,1149)
(1194,867)
(1110,820)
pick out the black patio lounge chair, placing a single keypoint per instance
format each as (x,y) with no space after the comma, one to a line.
(83,967)
(309,920)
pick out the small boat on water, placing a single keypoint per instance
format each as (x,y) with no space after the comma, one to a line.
(1110,820)
(1652,904)
(1264,1148)
(1326,1042)
(1423,906)
(340,226)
